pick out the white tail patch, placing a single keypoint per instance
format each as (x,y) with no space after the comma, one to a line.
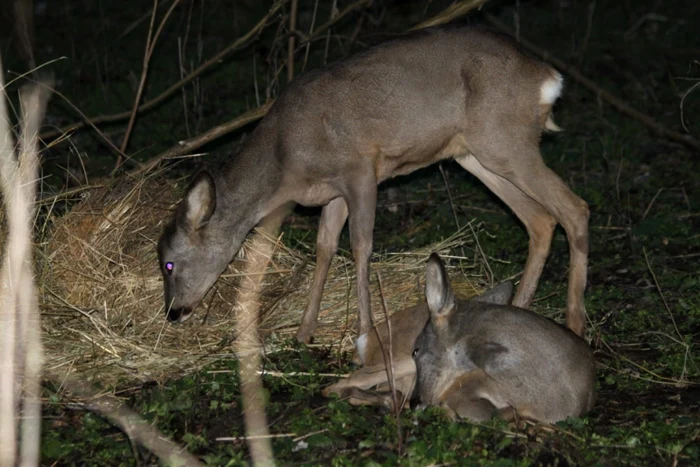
(551,89)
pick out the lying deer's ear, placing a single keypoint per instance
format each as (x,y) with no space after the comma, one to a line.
(199,203)
(502,294)
(438,292)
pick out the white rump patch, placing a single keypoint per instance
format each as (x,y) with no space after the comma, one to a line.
(361,347)
(551,89)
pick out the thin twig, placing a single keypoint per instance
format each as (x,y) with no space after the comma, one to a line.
(390,369)
(651,203)
(334,12)
(256,437)
(450,13)
(685,94)
(449,196)
(489,272)
(587,35)
(292,39)
(311,31)
(142,83)
(661,294)
(151,41)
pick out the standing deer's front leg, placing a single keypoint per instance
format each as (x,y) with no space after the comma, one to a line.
(332,220)
(361,198)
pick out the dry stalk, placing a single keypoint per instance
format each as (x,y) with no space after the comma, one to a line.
(449,196)
(23,15)
(686,94)
(21,350)
(587,35)
(390,369)
(680,340)
(247,345)
(142,83)
(292,39)
(311,31)
(248,349)
(8,317)
(334,13)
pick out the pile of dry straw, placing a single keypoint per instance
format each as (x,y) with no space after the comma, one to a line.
(102,302)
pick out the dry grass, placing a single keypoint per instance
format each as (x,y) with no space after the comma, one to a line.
(102,301)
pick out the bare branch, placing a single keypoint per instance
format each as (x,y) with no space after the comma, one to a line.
(148,105)
(615,102)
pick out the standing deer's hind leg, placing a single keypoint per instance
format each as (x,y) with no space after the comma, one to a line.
(572,213)
(538,223)
(520,162)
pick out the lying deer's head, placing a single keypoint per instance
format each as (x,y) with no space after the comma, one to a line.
(439,351)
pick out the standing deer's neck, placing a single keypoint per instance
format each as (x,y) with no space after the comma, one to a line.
(247,188)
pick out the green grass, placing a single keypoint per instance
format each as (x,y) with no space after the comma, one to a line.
(643,193)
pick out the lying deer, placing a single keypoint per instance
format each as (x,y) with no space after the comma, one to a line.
(464,93)
(476,358)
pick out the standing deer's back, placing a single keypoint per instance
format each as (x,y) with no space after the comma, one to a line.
(409,103)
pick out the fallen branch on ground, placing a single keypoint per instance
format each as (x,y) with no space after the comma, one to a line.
(135,427)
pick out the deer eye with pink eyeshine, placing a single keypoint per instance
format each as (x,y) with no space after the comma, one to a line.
(169,267)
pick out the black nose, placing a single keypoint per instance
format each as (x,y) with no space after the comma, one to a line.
(174,314)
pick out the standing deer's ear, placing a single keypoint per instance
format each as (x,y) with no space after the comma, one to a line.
(438,293)
(199,203)
(502,294)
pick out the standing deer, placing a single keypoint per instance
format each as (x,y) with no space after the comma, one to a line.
(475,358)
(465,93)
